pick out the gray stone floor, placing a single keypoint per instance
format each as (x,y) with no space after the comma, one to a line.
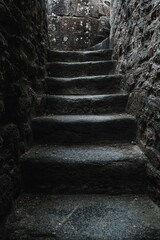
(84,217)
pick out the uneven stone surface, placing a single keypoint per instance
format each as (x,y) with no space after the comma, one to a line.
(85,104)
(77,24)
(76,69)
(84,217)
(76,158)
(79,56)
(23,37)
(135,30)
(69,129)
(109,169)
(102,84)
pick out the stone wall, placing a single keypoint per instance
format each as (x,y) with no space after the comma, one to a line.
(77,24)
(22,57)
(135,32)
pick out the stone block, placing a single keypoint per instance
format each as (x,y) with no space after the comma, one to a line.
(75,33)
(76,24)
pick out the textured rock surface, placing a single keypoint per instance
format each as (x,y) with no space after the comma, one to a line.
(84,217)
(93,169)
(102,84)
(83,129)
(22,56)
(77,24)
(135,31)
(80,160)
(76,69)
(79,56)
(91,104)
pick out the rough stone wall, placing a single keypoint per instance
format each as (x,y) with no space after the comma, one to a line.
(135,29)
(77,24)
(22,57)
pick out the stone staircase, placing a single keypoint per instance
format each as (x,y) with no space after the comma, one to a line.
(85,178)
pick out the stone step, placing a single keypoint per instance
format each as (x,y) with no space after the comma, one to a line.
(110,169)
(84,217)
(85,104)
(79,56)
(68,129)
(84,85)
(78,69)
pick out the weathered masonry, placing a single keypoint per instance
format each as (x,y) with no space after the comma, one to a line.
(136,35)
(76,24)
(79,130)
(23,47)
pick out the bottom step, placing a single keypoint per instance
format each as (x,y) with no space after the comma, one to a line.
(111,169)
(84,217)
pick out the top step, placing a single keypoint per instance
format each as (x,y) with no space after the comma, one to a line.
(79,56)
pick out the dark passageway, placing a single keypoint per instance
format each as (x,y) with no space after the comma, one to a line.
(79,120)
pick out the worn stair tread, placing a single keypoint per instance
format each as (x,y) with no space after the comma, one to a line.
(112,169)
(83,104)
(77,69)
(85,78)
(68,129)
(83,217)
(101,154)
(79,97)
(84,118)
(84,85)
(79,55)
(81,63)
(81,52)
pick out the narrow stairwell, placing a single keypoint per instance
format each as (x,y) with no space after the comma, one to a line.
(85,178)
